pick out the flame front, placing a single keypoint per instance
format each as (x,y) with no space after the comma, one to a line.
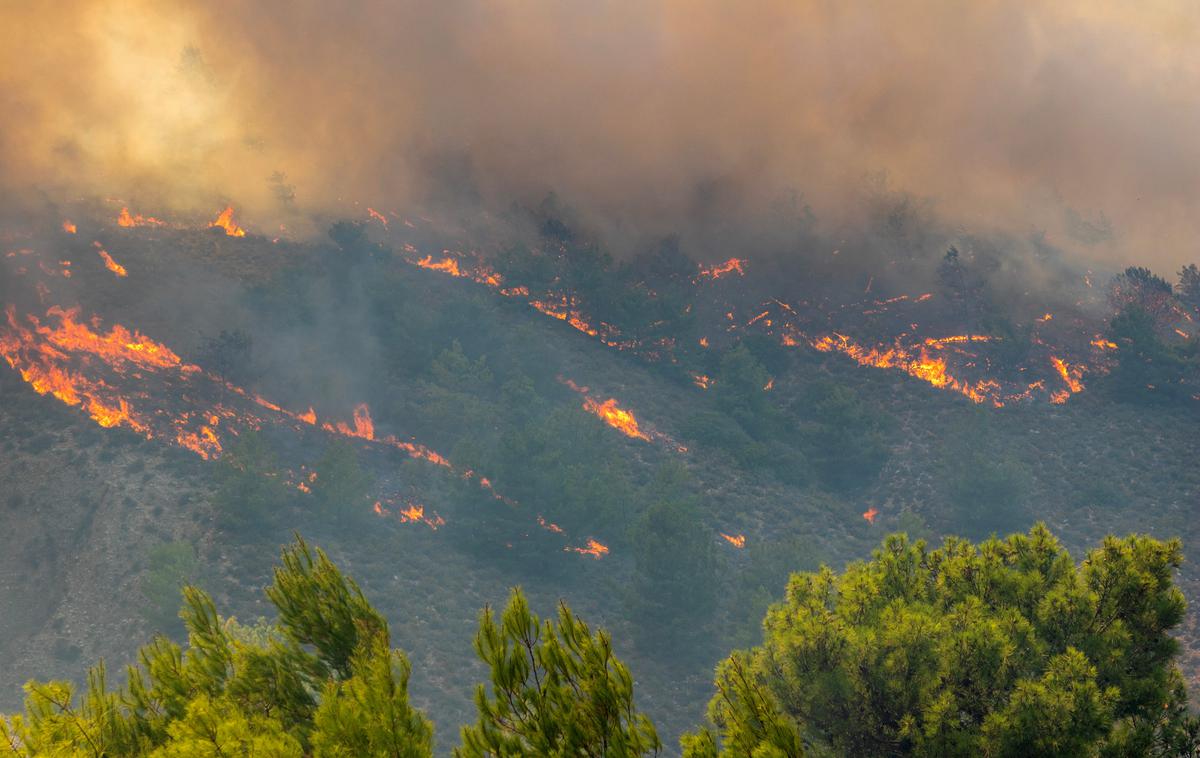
(919,363)
(225,221)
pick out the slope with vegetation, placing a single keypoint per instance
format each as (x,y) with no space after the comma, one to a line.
(1007,648)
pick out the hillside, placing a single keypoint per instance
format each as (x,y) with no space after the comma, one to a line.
(478,414)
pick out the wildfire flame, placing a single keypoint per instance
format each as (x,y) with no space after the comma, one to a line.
(1070,376)
(68,227)
(593,548)
(109,263)
(225,221)
(446,265)
(920,364)
(731,266)
(870,514)
(125,219)
(415,513)
(737,540)
(371,212)
(610,413)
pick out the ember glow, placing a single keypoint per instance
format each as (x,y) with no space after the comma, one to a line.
(225,221)
(68,227)
(870,514)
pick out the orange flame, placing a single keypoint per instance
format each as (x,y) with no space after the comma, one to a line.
(593,548)
(415,513)
(363,428)
(225,221)
(921,364)
(124,219)
(549,525)
(109,263)
(870,514)
(68,227)
(733,265)
(610,413)
(446,265)
(618,418)
(1070,376)
(378,217)
(737,540)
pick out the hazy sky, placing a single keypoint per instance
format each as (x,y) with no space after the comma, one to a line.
(1060,116)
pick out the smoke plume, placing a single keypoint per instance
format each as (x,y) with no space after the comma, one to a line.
(1076,118)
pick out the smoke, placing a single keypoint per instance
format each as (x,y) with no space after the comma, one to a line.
(1074,119)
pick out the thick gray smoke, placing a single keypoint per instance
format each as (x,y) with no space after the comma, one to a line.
(1073,118)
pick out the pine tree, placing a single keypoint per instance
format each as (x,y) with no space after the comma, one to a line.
(556,690)
(1006,648)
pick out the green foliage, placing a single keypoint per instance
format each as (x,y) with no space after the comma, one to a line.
(213,728)
(318,606)
(556,690)
(1189,287)
(749,719)
(988,494)
(170,566)
(1139,288)
(1148,369)
(567,463)
(248,488)
(845,437)
(673,591)
(739,390)
(369,713)
(986,485)
(1007,648)
(342,483)
(323,682)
